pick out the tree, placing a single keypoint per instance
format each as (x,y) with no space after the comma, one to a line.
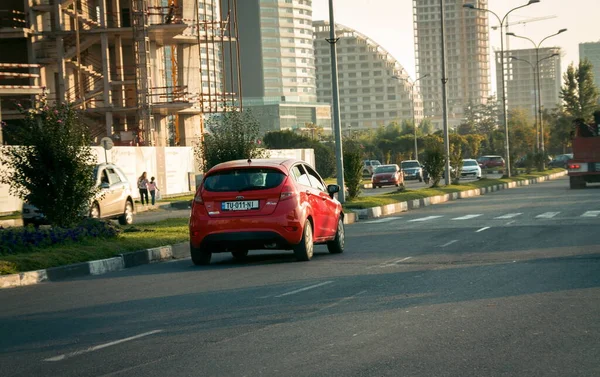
(283,139)
(473,142)
(426,127)
(457,142)
(53,166)
(579,93)
(434,161)
(560,126)
(352,168)
(231,136)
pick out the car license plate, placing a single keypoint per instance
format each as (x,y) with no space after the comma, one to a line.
(384,181)
(242,205)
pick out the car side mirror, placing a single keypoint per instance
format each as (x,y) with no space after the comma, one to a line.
(104,185)
(333,189)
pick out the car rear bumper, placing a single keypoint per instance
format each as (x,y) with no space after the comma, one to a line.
(249,233)
(387,183)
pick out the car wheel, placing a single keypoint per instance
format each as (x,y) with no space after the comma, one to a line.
(95,211)
(127,217)
(240,254)
(199,256)
(304,250)
(337,245)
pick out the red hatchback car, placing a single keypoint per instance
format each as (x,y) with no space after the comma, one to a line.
(264,204)
(387,175)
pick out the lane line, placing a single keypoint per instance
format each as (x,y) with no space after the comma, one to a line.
(448,243)
(390,263)
(305,288)
(467,217)
(547,215)
(101,346)
(341,301)
(508,216)
(382,220)
(591,214)
(511,222)
(482,229)
(424,219)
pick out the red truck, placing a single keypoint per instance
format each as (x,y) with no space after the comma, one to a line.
(584,167)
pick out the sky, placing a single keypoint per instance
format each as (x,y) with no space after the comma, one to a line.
(389,23)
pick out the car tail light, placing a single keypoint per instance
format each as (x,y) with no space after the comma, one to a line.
(198,198)
(574,166)
(288,191)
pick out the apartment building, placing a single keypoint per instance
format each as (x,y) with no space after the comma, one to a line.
(591,52)
(374,88)
(467,56)
(278,70)
(521,78)
(144,72)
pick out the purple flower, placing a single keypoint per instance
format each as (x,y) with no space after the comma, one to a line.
(18,104)
(55,112)
(59,121)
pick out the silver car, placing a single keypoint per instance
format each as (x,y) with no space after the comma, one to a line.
(114,201)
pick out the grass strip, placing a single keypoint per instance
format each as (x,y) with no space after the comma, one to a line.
(132,238)
(406,195)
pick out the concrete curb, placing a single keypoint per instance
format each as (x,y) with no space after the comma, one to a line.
(97,267)
(389,209)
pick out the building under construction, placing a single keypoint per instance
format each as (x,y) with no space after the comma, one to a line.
(144,72)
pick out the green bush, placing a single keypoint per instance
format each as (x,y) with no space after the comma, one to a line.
(353,171)
(232,136)
(52,166)
(434,163)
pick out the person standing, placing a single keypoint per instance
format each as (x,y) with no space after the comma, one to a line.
(153,189)
(143,187)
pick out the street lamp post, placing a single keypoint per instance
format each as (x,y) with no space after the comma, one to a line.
(412,90)
(537,64)
(535,112)
(504,112)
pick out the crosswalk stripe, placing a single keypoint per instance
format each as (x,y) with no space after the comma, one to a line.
(467,217)
(591,214)
(382,220)
(547,215)
(508,216)
(424,219)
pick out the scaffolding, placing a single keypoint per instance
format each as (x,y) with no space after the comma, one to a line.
(144,72)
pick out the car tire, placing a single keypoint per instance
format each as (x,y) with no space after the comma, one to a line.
(95,211)
(336,246)
(240,254)
(127,217)
(199,256)
(304,250)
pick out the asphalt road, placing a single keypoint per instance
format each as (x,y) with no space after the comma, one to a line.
(505,284)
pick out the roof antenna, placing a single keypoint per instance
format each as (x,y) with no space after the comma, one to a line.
(249,160)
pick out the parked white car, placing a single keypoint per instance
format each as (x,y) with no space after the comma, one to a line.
(470,168)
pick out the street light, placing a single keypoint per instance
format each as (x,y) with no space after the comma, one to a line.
(412,89)
(501,22)
(535,112)
(537,64)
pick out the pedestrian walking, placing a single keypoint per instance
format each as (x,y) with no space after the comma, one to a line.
(143,187)
(153,188)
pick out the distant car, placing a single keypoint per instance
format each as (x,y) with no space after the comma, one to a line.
(560,161)
(486,162)
(369,167)
(114,201)
(387,175)
(264,204)
(412,169)
(470,168)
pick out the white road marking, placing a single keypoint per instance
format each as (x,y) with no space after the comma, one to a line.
(390,263)
(591,214)
(482,229)
(547,215)
(510,222)
(424,219)
(305,288)
(101,346)
(467,217)
(508,216)
(382,220)
(449,243)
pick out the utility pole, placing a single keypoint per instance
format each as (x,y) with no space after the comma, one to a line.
(444,97)
(337,128)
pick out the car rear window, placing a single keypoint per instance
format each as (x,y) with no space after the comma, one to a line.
(244,180)
(410,164)
(470,163)
(385,169)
